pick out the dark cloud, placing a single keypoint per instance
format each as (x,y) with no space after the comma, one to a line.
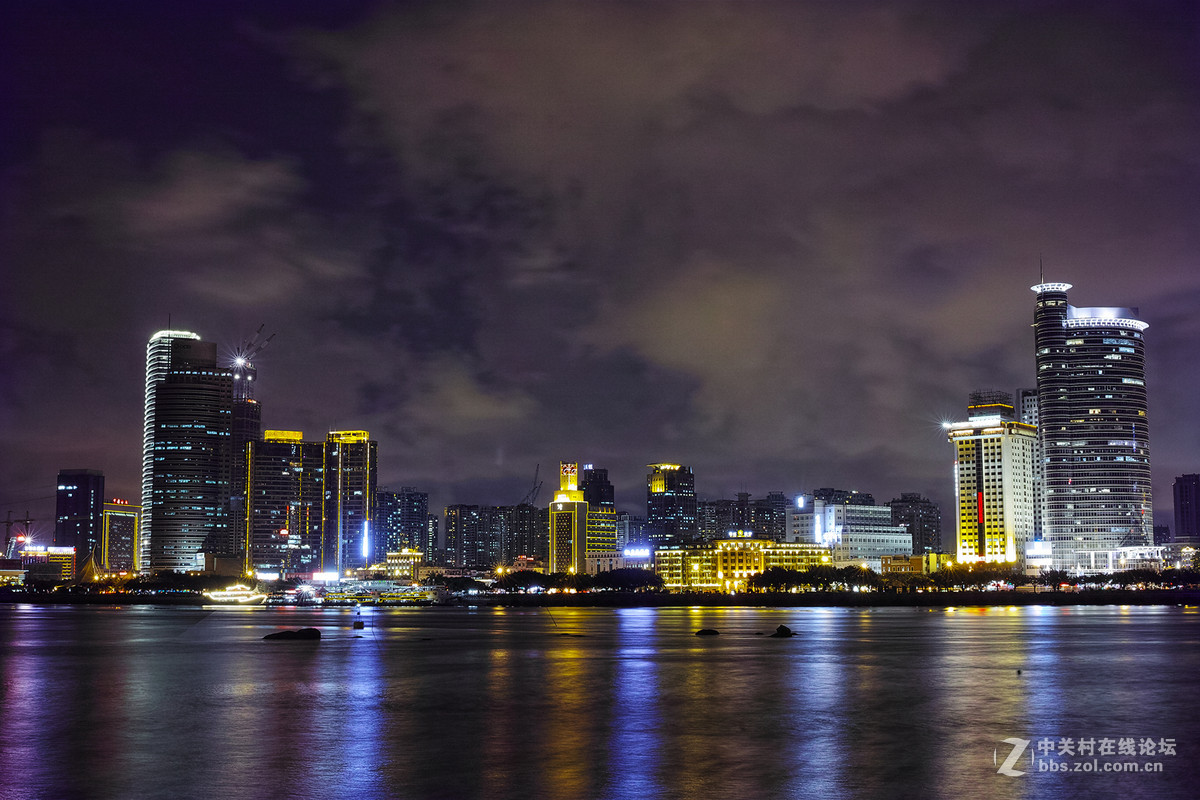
(777,241)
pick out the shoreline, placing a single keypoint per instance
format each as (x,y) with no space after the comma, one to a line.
(835,599)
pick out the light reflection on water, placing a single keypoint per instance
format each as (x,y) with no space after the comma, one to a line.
(584,703)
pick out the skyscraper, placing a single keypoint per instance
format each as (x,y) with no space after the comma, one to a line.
(1092,415)
(993,481)
(185,450)
(348,539)
(246,427)
(671,504)
(1187,509)
(285,495)
(79,511)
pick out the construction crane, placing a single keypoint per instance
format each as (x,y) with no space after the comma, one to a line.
(531,496)
(242,364)
(12,543)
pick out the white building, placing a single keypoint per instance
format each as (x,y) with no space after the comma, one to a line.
(855,533)
(994,481)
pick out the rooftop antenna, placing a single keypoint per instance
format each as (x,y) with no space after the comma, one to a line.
(1041,270)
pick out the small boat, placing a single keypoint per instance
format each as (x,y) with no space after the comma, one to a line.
(236,595)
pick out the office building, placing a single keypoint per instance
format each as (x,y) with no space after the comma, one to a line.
(993,481)
(671,504)
(922,518)
(122,522)
(849,524)
(79,510)
(1187,510)
(285,497)
(1093,427)
(185,453)
(349,540)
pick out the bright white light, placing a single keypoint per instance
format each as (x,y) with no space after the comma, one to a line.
(365,548)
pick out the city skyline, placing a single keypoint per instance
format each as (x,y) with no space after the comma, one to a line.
(783,273)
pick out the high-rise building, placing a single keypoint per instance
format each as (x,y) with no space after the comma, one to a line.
(993,481)
(596,488)
(185,452)
(465,538)
(923,519)
(578,530)
(348,513)
(401,519)
(1187,509)
(671,504)
(118,541)
(434,553)
(79,511)
(285,494)
(245,427)
(1093,432)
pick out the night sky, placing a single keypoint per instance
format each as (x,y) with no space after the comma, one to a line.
(778,242)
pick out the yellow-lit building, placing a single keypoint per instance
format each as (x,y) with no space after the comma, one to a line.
(404,564)
(994,481)
(577,530)
(725,565)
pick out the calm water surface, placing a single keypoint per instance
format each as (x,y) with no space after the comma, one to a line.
(592,703)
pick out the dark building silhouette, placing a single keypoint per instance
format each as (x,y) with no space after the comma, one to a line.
(79,511)
(1187,509)
(671,504)
(923,519)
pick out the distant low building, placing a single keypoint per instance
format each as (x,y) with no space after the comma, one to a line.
(727,565)
(924,564)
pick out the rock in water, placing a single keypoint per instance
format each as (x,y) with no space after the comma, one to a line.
(309,634)
(708,632)
(782,632)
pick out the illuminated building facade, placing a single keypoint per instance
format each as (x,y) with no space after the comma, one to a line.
(849,524)
(727,564)
(348,510)
(403,563)
(119,535)
(577,528)
(42,563)
(284,476)
(568,524)
(79,510)
(185,457)
(922,518)
(671,504)
(1093,426)
(993,481)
